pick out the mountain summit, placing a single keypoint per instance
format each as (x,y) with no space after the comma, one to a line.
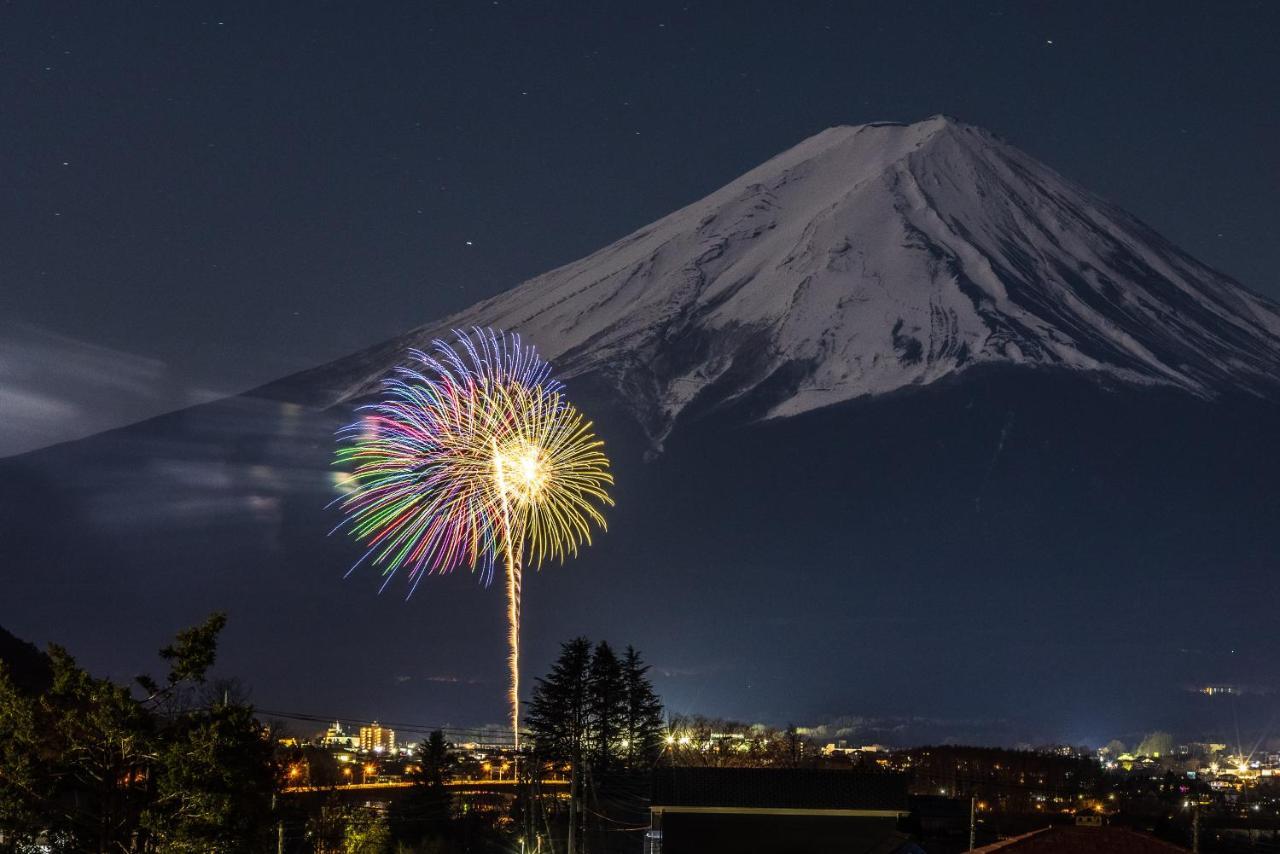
(867,259)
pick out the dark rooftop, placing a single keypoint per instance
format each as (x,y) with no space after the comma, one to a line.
(779,788)
(1095,840)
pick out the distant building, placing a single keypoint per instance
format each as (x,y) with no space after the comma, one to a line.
(767,810)
(843,748)
(377,739)
(1089,818)
(336,737)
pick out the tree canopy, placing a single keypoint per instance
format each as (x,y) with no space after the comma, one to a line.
(87,766)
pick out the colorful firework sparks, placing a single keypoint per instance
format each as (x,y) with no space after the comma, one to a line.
(473,455)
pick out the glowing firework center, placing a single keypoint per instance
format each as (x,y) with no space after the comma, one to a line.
(520,471)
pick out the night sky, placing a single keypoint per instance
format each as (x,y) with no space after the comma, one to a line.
(204,197)
(220,194)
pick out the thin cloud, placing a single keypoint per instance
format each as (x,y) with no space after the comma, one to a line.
(55,388)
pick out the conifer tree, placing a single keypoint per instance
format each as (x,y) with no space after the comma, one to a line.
(559,714)
(607,705)
(643,725)
(424,812)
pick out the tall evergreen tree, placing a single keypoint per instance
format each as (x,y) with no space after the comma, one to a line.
(599,714)
(607,707)
(424,812)
(643,725)
(559,717)
(559,712)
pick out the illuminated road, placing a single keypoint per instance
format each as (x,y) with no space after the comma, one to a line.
(490,785)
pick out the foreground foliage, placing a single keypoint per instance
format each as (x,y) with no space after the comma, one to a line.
(87,766)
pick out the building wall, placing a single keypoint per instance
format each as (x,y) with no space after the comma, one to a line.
(702,833)
(375,737)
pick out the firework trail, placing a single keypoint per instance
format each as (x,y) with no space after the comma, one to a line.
(473,456)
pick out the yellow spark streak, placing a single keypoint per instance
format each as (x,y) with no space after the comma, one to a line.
(513,641)
(513,594)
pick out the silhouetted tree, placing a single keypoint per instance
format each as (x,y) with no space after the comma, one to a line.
(559,718)
(424,813)
(213,781)
(81,758)
(1156,744)
(607,706)
(599,715)
(1114,748)
(94,769)
(559,712)
(643,725)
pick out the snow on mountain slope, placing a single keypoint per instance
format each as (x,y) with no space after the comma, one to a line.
(866,259)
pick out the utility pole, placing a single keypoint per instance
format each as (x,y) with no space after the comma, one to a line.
(972,827)
(573,807)
(1195,827)
(279,826)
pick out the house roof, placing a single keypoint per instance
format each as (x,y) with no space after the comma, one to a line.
(779,788)
(1093,840)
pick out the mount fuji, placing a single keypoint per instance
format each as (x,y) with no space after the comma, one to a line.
(865,260)
(909,431)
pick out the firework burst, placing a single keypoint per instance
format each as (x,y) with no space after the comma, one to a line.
(473,458)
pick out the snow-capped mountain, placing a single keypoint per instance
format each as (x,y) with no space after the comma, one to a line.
(864,260)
